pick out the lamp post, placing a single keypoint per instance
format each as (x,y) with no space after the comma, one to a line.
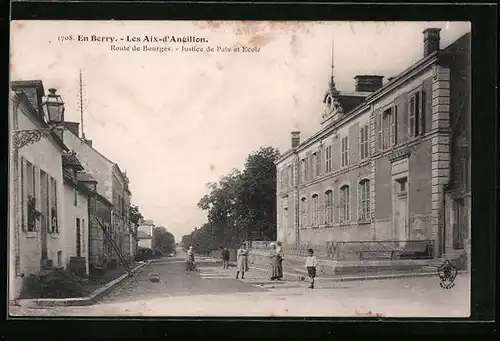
(53,107)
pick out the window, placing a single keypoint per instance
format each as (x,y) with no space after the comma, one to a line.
(417,114)
(364,142)
(23,199)
(44,201)
(303,212)
(328,159)
(54,226)
(389,128)
(344,204)
(364,200)
(32,212)
(318,163)
(59,258)
(289,176)
(75,197)
(329,207)
(394,129)
(306,169)
(378,129)
(344,152)
(315,209)
(303,170)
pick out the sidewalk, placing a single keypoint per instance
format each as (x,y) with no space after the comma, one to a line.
(80,301)
(300,274)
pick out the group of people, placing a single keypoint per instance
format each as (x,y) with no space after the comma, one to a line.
(276,256)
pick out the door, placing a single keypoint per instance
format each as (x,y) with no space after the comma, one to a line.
(403,221)
(460,227)
(78,238)
(44,220)
(401,228)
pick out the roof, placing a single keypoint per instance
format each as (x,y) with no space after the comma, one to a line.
(349,102)
(69,160)
(456,47)
(85,177)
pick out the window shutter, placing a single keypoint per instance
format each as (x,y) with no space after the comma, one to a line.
(423,112)
(378,128)
(23,193)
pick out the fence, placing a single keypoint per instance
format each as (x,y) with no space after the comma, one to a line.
(380,249)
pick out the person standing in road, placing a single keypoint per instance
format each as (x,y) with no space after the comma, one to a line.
(273,263)
(225,258)
(242,256)
(311,264)
(190,265)
(281,254)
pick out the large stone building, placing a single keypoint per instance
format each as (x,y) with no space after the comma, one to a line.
(391,162)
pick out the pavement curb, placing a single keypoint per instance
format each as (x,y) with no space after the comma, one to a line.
(360,278)
(77,301)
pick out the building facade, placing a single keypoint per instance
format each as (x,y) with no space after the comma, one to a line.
(386,163)
(112,187)
(36,219)
(145,234)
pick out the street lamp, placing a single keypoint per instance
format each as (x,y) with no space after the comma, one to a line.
(54,107)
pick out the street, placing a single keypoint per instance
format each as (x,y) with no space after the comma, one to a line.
(213,291)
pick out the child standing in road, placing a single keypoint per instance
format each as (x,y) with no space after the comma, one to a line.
(311,264)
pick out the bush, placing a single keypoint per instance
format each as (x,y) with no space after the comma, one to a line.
(55,283)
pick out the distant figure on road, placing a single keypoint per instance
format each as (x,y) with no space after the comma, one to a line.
(311,264)
(190,260)
(225,258)
(281,254)
(242,256)
(273,262)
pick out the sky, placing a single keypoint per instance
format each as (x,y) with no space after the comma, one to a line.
(175,121)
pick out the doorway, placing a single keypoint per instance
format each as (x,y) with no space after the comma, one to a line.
(78,239)
(401,226)
(460,226)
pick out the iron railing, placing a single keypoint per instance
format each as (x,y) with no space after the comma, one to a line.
(380,249)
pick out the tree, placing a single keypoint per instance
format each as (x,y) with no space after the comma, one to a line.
(163,240)
(241,206)
(135,214)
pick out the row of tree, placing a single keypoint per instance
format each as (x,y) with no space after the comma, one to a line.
(240,207)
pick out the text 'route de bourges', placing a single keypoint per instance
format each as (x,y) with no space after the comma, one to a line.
(150,43)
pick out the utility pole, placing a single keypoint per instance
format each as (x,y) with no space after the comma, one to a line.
(81,105)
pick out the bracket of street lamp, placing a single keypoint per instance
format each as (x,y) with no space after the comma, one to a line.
(21,138)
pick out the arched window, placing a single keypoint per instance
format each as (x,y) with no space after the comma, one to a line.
(329,207)
(345,197)
(303,212)
(315,210)
(364,200)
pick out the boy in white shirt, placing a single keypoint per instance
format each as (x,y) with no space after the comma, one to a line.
(311,264)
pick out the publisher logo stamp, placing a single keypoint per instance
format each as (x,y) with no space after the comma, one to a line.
(447,273)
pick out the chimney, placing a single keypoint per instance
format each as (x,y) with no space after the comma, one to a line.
(295,139)
(88,142)
(368,83)
(33,90)
(431,40)
(73,127)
